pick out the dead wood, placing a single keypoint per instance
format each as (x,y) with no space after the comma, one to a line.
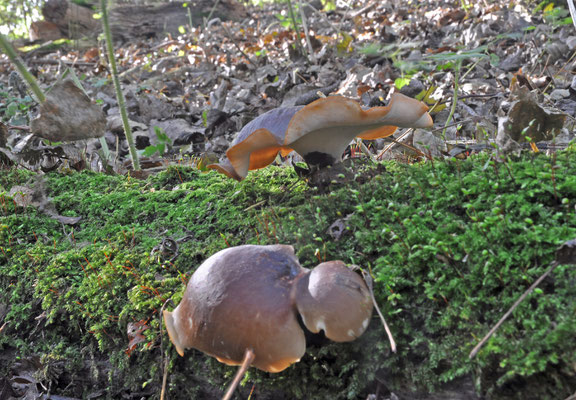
(131,22)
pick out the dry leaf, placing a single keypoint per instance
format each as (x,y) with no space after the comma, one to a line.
(68,114)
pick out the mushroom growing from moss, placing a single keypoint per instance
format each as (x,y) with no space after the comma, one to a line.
(245,301)
(319,132)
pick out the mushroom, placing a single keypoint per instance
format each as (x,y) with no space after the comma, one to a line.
(243,303)
(319,132)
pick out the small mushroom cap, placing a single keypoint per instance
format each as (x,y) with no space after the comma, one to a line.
(239,299)
(325,126)
(334,299)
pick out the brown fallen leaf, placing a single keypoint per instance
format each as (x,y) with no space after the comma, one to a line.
(135,335)
(68,114)
(527,120)
(35,196)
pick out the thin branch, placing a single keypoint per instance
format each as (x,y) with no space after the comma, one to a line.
(248,358)
(509,312)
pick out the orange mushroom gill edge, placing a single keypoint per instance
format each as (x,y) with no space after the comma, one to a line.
(257,151)
(373,123)
(334,299)
(326,125)
(257,144)
(170,323)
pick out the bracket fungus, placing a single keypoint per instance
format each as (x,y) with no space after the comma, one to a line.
(246,300)
(319,131)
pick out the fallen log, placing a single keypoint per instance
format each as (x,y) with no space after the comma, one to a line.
(132,22)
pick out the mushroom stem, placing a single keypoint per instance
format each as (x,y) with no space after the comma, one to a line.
(248,358)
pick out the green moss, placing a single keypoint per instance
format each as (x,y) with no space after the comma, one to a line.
(451,244)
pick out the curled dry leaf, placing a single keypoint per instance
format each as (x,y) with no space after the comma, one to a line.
(529,121)
(68,114)
(135,335)
(35,196)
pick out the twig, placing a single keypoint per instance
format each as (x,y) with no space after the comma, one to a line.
(397,141)
(370,283)
(452,124)
(323,16)
(229,34)
(162,355)
(469,96)
(248,358)
(211,12)
(19,128)
(516,304)
(164,380)
(55,62)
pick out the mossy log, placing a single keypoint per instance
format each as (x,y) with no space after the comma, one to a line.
(451,244)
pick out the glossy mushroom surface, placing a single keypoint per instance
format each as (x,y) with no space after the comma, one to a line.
(334,299)
(238,299)
(247,298)
(319,131)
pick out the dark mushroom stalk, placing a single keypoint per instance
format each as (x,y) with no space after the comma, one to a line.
(319,132)
(241,306)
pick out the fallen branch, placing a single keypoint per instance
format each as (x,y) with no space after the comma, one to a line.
(566,254)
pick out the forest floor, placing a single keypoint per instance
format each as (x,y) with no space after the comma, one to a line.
(455,222)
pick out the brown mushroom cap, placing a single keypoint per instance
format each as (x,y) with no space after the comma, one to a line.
(334,299)
(239,299)
(325,126)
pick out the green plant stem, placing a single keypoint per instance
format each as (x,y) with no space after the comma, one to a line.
(19,64)
(117,87)
(209,15)
(296,28)
(454,98)
(305,28)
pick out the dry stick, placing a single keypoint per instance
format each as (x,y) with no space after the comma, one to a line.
(229,34)
(164,380)
(454,99)
(516,304)
(248,358)
(165,375)
(19,128)
(468,96)
(453,124)
(55,62)
(370,283)
(394,142)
